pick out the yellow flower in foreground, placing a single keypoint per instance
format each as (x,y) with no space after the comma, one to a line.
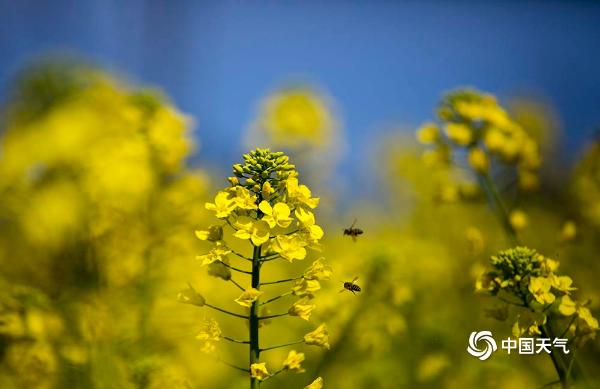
(278,215)
(218,253)
(223,205)
(243,199)
(318,337)
(540,288)
(562,283)
(586,315)
(259,370)
(428,133)
(304,287)
(293,361)
(567,306)
(257,231)
(478,160)
(318,271)
(459,133)
(300,193)
(518,219)
(289,247)
(302,309)
(247,297)
(316,384)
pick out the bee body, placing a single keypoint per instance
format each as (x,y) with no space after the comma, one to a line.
(353,232)
(351,286)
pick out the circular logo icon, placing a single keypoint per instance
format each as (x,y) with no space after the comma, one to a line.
(481,338)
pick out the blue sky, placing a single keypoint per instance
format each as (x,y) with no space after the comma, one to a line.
(383,62)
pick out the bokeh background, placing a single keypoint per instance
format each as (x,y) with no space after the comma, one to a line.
(120,119)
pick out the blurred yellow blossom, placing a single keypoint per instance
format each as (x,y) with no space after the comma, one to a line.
(293,362)
(316,384)
(249,296)
(318,337)
(259,370)
(302,308)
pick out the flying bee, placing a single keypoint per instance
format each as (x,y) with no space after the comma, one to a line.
(353,231)
(351,286)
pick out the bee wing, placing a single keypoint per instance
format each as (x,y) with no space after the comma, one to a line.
(355,279)
(353,223)
(343,289)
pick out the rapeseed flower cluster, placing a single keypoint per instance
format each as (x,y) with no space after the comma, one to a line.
(268,208)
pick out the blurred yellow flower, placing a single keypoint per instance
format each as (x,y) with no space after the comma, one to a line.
(304,287)
(316,384)
(293,362)
(459,133)
(295,117)
(428,133)
(259,370)
(190,296)
(218,253)
(302,308)
(478,160)
(210,331)
(318,271)
(213,234)
(318,337)
(518,220)
(247,297)
(567,306)
(568,232)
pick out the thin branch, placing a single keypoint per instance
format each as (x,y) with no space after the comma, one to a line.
(271,257)
(235,340)
(236,269)
(234,366)
(280,281)
(272,316)
(224,311)
(240,287)
(282,345)
(274,374)
(568,326)
(276,298)
(240,255)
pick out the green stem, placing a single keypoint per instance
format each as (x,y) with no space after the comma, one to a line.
(235,340)
(280,281)
(276,298)
(283,345)
(272,316)
(253,318)
(498,205)
(224,311)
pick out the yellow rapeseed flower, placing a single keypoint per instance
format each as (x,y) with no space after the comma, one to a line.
(478,160)
(290,247)
(459,133)
(259,370)
(304,287)
(428,133)
(218,253)
(247,297)
(316,384)
(300,193)
(278,215)
(302,308)
(293,362)
(318,271)
(222,206)
(318,337)
(540,289)
(257,231)
(518,220)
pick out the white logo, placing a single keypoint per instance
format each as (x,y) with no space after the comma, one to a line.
(490,344)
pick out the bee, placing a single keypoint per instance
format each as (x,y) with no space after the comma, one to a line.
(351,286)
(353,231)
